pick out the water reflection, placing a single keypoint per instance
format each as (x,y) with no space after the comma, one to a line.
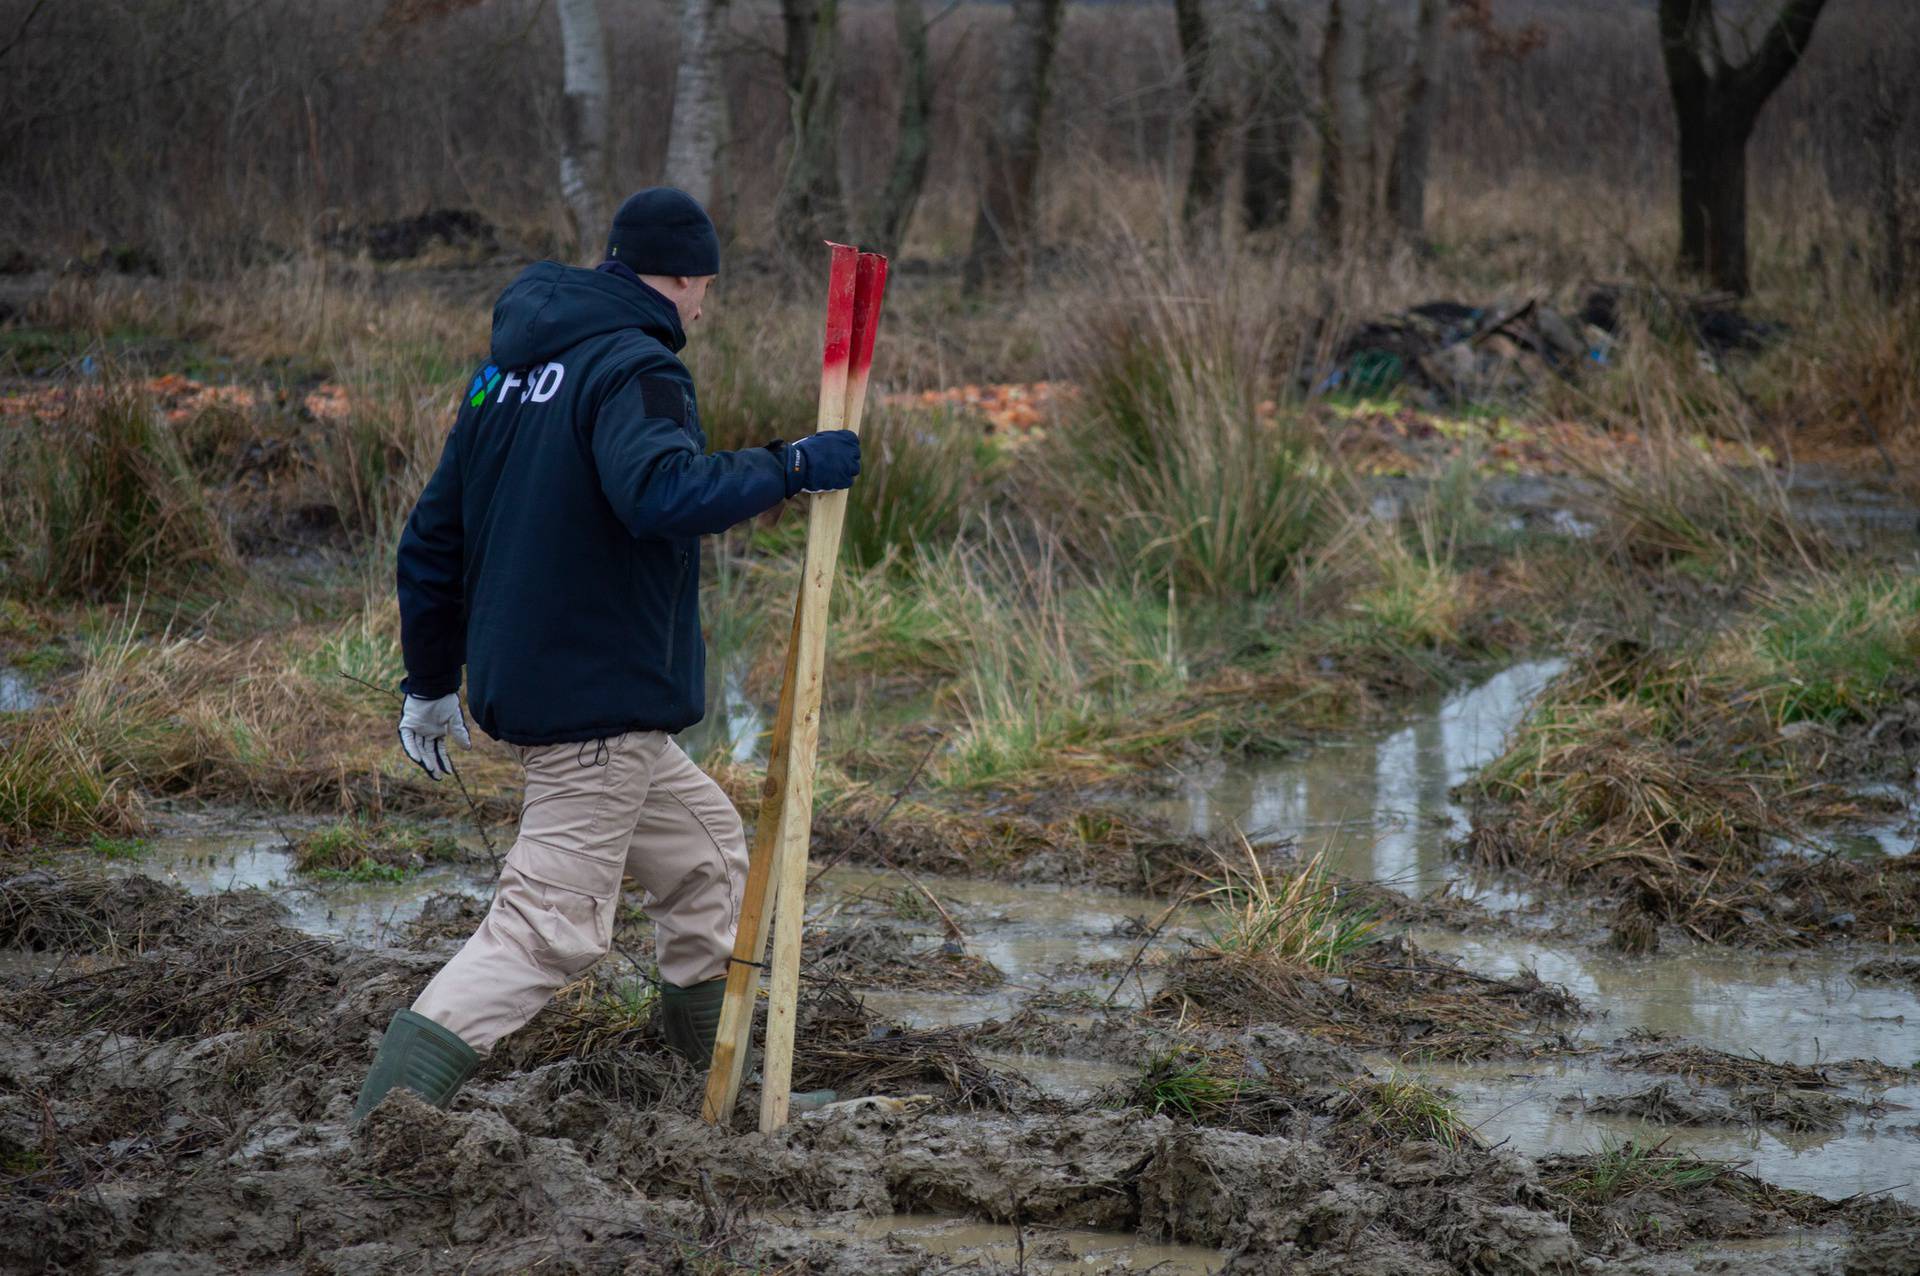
(1539,1109)
(734,723)
(366,912)
(1380,805)
(17,695)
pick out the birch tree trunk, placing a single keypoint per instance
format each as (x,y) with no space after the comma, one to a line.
(1266,166)
(1412,148)
(1208,119)
(810,206)
(1009,185)
(583,122)
(1716,104)
(697,130)
(892,212)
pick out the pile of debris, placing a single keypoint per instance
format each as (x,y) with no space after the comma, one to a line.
(1447,352)
(405,238)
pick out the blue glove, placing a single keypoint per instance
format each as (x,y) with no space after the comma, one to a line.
(823,462)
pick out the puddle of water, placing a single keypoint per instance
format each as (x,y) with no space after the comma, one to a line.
(366,912)
(1868,842)
(1380,805)
(1003,1244)
(735,722)
(1029,931)
(1519,1104)
(17,695)
(1793,1008)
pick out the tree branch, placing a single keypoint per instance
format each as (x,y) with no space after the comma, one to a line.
(20,32)
(1792,30)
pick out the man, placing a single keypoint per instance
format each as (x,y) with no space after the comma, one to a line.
(555,553)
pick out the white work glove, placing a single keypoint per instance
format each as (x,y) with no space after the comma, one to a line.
(424,727)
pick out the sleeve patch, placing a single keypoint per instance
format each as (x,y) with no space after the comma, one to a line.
(664,397)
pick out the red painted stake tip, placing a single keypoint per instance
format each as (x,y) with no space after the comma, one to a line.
(870,287)
(840,293)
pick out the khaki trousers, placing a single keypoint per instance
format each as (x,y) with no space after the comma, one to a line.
(635,806)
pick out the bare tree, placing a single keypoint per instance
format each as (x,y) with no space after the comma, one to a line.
(698,128)
(1889,105)
(583,121)
(887,220)
(810,206)
(1345,125)
(1716,103)
(1009,186)
(1208,113)
(1273,112)
(1407,173)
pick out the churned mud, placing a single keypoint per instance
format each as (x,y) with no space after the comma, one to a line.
(1054,1051)
(176,1072)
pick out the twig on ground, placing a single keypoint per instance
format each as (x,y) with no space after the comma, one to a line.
(1153,934)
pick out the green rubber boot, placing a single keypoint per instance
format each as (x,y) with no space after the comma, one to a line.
(690,1019)
(420,1055)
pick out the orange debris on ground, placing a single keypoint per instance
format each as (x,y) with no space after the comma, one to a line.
(1015,409)
(180,398)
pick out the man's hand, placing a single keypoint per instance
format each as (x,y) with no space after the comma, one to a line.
(823,462)
(424,727)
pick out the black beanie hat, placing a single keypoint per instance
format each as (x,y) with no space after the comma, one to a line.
(663,231)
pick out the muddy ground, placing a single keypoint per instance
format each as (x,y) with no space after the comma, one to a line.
(176,1071)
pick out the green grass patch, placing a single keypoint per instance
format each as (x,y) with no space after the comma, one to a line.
(365,872)
(1839,650)
(371,850)
(1186,1087)
(1621,1169)
(119,848)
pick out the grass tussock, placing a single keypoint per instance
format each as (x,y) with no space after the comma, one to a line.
(1398,1109)
(1295,919)
(1666,1200)
(1394,999)
(53,785)
(371,850)
(919,475)
(1183,460)
(1211,1088)
(262,721)
(1669,776)
(102,498)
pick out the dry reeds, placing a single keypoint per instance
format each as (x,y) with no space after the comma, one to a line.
(103,494)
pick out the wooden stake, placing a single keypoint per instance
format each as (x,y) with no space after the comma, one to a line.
(825,519)
(735,1034)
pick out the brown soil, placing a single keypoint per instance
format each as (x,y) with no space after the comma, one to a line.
(1390,996)
(175,1085)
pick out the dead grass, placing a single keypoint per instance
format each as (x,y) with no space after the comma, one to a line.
(1397,1109)
(840,1047)
(101,495)
(1679,779)
(267,721)
(1397,1000)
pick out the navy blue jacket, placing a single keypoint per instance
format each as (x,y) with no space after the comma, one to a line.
(555,552)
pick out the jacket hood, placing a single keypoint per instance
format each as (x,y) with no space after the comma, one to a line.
(552,307)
